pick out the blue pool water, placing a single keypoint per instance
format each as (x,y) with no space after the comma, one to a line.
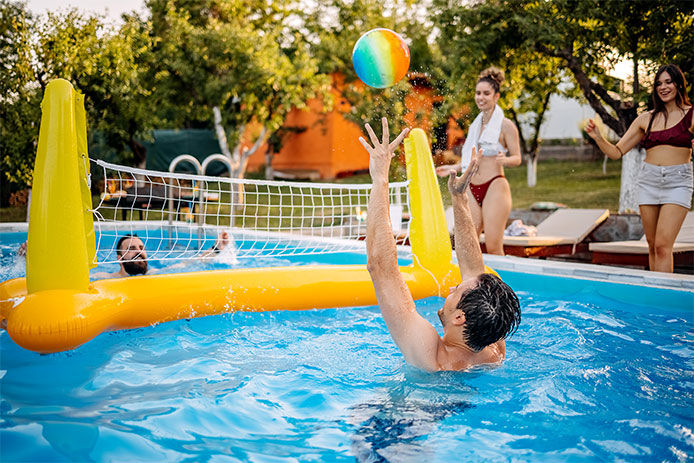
(588,377)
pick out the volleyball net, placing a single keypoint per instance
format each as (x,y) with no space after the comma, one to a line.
(179,216)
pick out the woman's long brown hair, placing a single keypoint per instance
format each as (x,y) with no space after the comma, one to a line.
(681,99)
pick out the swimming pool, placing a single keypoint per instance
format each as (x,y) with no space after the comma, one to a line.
(596,371)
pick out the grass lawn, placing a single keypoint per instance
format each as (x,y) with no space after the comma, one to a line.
(576,184)
(13,214)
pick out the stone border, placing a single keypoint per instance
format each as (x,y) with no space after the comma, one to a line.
(617,227)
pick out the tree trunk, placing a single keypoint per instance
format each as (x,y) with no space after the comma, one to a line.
(636,75)
(531,161)
(628,194)
(269,172)
(535,143)
(221,133)
(590,90)
(139,151)
(240,162)
(521,137)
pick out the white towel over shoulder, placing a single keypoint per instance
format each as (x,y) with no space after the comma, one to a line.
(489,136)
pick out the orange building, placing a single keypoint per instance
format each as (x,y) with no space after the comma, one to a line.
(330,144)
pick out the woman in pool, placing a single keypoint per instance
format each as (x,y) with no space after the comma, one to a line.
(497,138)
(665,178)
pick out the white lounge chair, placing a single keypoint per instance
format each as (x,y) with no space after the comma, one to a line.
(562,232)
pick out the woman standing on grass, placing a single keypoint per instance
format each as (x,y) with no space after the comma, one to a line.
(494,136)
(665,179)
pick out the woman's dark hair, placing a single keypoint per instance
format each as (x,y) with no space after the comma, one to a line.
(681,99)
(492,312)
(493,76)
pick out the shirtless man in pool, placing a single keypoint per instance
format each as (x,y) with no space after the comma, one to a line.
(478,314)
(132,255)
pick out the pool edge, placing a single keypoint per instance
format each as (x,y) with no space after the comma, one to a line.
(602,273)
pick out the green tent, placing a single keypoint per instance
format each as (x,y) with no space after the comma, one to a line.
(167,144)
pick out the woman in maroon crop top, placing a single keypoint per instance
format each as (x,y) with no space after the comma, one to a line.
(665,180)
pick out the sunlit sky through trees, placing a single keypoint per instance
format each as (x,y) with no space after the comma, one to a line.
(113,9)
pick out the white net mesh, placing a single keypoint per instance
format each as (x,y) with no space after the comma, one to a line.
(179,216)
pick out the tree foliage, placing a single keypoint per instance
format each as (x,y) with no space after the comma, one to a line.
(255,60)
(19,104)
(236,55)
(102,62)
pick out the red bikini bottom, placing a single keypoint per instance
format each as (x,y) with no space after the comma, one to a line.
(480,191)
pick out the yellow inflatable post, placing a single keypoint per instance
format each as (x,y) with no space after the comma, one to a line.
(429,238)
(57,255)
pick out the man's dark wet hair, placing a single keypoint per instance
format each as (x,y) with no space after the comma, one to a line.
(120,241)
(492,312)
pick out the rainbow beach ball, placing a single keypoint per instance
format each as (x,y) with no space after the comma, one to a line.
(380,58)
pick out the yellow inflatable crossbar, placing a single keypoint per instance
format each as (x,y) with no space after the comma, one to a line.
(62,310)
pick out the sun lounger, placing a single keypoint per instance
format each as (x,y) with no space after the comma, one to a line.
(562,232)
(635,252)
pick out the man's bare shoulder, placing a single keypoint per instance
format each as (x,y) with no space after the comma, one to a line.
(491,355)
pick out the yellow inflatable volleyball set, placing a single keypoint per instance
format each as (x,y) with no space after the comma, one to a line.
(56,308)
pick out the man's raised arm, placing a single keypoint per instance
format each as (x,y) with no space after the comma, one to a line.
(467,246)
(380,243)
(415,337)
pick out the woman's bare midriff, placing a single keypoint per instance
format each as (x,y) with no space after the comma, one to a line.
(665,155)
(488,168)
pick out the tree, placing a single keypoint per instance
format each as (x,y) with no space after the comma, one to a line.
(101,62)
(231,64)
(105,64)
(119,96)
(650,34)
(532,82)
(19,101)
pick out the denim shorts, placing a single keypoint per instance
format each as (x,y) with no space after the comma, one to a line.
(666,184)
